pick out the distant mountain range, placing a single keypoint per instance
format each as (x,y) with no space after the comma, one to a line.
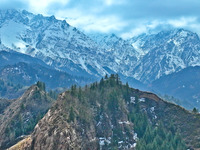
(45,44)
(27,74)
(11,58)
(146,57)
(63,47)
(26,70)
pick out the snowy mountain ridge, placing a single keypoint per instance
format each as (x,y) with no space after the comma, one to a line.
(146,57)
(166,52)
(61,45)
(53,41)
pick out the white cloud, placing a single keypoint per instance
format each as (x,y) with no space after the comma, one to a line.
(123,17)
(182,22)
(142,27)
(134,32)
(109,2)
(101,24)
(90,23)
(41,6)
(190,23)
(114,2)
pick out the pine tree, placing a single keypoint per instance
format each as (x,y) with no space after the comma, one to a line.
(106,76)
(101,84)
(71,115)
(41,86)
(195,110)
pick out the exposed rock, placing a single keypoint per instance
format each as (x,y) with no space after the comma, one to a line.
(22,114)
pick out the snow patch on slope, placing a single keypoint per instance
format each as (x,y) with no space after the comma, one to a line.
(10,32)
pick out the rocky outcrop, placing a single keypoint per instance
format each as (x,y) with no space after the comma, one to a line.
(20,117)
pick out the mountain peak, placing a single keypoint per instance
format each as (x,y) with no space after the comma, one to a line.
(64,47)
(180,32)
(22,113)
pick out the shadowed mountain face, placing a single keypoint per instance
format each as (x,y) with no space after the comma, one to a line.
(17,71)
(111,115)
(12,57)
(27,74)
(183,85)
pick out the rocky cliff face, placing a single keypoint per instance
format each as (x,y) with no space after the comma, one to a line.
(83,126)
(119,55)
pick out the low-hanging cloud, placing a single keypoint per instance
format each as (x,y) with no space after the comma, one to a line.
(124,17)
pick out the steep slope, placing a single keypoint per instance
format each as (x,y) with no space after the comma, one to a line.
(4,103)
(54,41)
(64,47)
(110,115)
(121,56)
(86,124)
(183,85)
(166,52)
(20,117)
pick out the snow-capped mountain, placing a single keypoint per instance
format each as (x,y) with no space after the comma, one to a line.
(146,57)
(120,56)
(166,52)
(63,46)
(115,45)
(54,41)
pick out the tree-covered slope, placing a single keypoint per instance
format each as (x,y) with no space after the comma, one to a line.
(109,115)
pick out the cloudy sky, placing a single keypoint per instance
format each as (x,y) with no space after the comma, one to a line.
(125,18)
